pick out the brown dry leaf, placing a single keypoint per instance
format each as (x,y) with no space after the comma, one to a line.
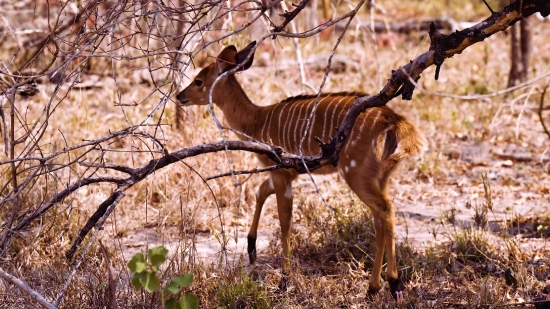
(135,245)
(239,222)
(506,163)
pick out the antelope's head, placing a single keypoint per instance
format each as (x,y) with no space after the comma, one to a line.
(198,91)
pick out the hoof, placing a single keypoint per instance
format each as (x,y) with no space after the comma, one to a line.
(251,249)
(396,289)
(371,292)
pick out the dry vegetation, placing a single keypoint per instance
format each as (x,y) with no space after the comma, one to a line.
(474,211)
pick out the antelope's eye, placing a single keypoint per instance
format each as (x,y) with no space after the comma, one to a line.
(198,82)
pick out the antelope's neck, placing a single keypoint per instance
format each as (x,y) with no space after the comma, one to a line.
(241,114)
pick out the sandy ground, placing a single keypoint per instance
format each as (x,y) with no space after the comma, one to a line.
(519,188)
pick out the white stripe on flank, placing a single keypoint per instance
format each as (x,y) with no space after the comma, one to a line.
(293,143)
(339,119)
(279,127)
(375,119)
(300,122)
(359,131)
(288,124)
(323,135)
(267,124)
(338,106)
(310,134)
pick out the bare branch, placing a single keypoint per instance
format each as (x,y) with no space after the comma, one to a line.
(289,16)
(541,105)
(20,284)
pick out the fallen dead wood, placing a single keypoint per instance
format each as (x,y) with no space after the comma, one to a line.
(442,24)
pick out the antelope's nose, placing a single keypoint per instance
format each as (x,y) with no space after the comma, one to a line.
(181,98)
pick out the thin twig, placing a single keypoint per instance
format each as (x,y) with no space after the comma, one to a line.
(477,96)
(489,7)
(254,171)
(541,105)
(518,121)
(298,53)
(25,288)
(289,16)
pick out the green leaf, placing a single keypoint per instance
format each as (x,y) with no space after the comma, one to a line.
(137,263)
(138,279)
(157,256)
(171,304)
(217,235)
(189,301)
(172,288)
(152,282)
(102,285)
(183,280)
(160,250)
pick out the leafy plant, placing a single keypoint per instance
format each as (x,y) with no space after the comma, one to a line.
(471,245)
(144,275)
(242,291)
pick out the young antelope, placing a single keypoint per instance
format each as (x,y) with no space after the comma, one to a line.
(380,139)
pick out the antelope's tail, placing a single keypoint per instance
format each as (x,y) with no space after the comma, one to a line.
(402,141)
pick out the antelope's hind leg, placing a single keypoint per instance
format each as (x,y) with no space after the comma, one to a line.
(264,191)
(373,194)
(375,278)
(396,286)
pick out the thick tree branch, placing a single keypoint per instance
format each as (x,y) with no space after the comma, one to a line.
(445,47)
(275,153)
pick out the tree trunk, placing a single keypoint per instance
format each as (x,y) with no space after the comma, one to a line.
(520,51)
(526,46)
(516,63)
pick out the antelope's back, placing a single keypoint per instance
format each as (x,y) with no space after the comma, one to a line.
(286,123)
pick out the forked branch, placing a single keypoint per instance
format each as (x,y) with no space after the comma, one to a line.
(289,16)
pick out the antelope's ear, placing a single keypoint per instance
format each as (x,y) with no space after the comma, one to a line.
(229,58)
(243,54)
(226,59)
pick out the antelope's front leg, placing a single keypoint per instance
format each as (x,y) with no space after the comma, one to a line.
(265,190)
(283,190)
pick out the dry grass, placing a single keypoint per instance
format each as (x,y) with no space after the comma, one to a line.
(455,240)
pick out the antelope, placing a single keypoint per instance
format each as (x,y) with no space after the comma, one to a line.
(379,141)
